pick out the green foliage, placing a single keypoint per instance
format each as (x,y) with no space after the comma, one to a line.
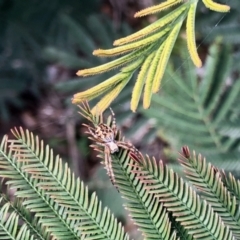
(230,127)
(52,215)
(204,177)
(30,228)
(50,190)
(161,204)
(204,109)
(107,193)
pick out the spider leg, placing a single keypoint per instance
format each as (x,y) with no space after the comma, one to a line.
(90,130)
(134,153)
(88,126)
(108,163)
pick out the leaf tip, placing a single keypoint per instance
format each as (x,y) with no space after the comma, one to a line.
(81,72)
(137,14)
(186,152)
(216,6)
(97,52)
(76,99)
(78,73)
(133,108)
(146,105)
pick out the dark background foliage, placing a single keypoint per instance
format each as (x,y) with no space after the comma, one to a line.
(44,43)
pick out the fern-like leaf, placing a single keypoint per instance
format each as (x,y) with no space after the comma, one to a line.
(57,181)
(149,215)
(195,215)
(151,183)
(52,216)
(232,184)
(208,180)
(9,225)
(35,228)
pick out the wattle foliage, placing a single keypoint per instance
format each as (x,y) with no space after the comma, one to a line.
(204,113)
(148,50)
(162,204)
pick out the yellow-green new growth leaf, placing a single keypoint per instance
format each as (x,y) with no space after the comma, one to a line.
(216,6)
(138,87)
(157,8)
(142,44)
(113,64)
(190,30)
(126,72)
(104,103)
(112,88)
(132,46)
(168,45)
(98,89)
(153,27)
(147,95)
(133,66)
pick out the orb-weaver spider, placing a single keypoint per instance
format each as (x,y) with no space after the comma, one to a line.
(106,136)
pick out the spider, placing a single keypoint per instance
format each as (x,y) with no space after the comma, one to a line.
(106,137)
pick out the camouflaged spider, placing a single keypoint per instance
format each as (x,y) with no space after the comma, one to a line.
(106,137)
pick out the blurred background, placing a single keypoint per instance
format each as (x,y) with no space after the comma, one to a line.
(44,43)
